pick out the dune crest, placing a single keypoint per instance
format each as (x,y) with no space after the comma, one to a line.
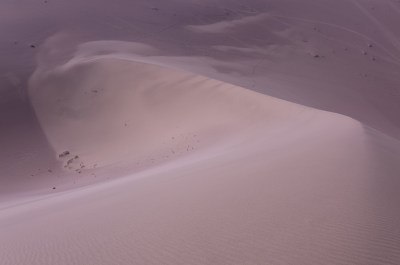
(105,111)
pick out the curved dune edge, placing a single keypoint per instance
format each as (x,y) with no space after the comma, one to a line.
(265,178)
(107,111)
(99,113)
(269,181)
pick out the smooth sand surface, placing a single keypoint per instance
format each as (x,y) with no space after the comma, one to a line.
(200,132)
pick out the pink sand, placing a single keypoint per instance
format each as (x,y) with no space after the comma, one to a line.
(199,132)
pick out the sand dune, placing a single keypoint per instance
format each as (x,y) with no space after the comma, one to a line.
(267,178)
(199,132)
(107,111)
(301,190)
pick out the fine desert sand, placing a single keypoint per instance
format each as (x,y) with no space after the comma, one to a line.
(200,132)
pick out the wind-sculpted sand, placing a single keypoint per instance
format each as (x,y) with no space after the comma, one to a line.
(200,132)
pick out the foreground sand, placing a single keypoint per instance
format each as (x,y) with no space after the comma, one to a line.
(257,202)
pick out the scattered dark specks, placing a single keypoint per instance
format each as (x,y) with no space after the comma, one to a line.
(95,91)
(54,188)
(32,46)
(364,53)
(370,45)
(317,56)
(50,171)
(63,154)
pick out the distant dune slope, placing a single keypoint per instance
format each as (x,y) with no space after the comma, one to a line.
(341,56)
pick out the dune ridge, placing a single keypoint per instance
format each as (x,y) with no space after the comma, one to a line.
(235,200)
(199,132)
(113,110)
